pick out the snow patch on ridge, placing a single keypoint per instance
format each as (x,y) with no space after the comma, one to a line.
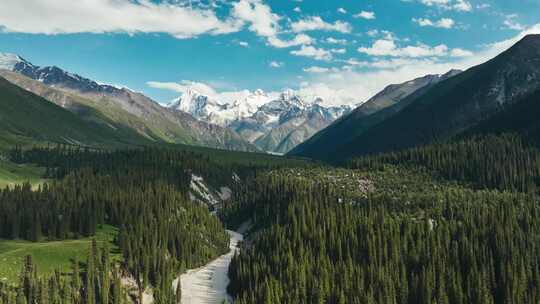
(8,61)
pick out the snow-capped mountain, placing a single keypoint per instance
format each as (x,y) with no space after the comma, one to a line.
(8,61)
(217,110)
(276,122)
(119,107)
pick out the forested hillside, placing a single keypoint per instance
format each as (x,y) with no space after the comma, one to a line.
(407,239)
(142,194)
(27,119)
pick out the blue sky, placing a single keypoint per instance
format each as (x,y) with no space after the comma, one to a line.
(344,51)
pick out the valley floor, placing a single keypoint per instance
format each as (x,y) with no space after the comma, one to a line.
(209,283)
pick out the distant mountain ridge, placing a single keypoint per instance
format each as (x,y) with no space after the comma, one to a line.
(391,100)
(121,106)
(491,97)
(273,122)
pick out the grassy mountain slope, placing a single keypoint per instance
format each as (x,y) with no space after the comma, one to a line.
(26,118)
(126,110)
(15,174)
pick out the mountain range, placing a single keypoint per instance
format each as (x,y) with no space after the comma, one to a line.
(117,108)
(273,122)
(43,104)
(498,96)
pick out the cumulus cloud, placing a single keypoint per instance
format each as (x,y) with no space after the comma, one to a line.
(313,52)
(275,64)
(316,23)
(457,52)
(388,47)
(259,15)
(316,69)
(446,23)
(338,51)
(511,23)
(365,15)
(359,80)
(456,5)
(333,40)
(110,16)
(300,39)
(358,85)
(263,22)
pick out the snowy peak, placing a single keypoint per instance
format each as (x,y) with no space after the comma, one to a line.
(8,61)
(54,76)
(265,119)
(226,108)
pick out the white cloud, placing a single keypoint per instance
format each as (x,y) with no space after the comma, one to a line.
(365,15)
(372,33)
(333,40)
(297,9)
(360,80)
(511,23)
(300,39)
(355,85)
(483,6)
(341,10)
(183,86)
(457,52)
(359,84)
(275,64)
(316,23)
(265,23)
(243,43)
(110,16)
(388,47)
(313,52)
(446,23)
(316,69)
(462,5)
(338,51)
(456,5)
(259,15)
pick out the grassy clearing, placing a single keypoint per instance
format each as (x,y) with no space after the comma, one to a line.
(49,256)
(12,174)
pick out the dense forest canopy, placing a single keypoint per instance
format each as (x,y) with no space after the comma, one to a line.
(455,222)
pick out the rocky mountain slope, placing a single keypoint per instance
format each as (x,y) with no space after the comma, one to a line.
(122,107)
(383,105)
(479,99)
(273,122)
